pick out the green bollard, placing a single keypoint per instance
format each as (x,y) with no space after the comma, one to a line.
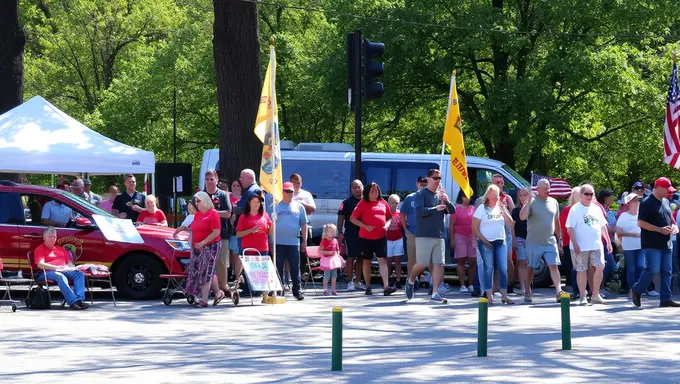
(566,322)
(482,327)
(336,351)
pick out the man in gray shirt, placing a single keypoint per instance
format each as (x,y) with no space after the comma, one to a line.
(431,206)
(543,236)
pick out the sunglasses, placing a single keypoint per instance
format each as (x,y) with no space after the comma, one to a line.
(288,191)
(436,178)
(589,194)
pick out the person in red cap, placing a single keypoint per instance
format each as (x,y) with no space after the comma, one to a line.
(657,225)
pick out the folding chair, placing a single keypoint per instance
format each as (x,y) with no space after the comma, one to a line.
(8,281)
(176,283)
(39,283)
(92,277)
(313,261)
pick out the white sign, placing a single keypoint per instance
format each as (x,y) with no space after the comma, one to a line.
(115,229)
(261,273)
(179,184)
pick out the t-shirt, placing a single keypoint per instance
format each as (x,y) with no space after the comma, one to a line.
(289,221)
(520,225)
(492,225)
(658,213)
(394,230)
(541,221)
(464,216)
(257,240)
(563,225)
(408,208)
(430,220)
(374,213)
(149,218)
(304,197)
(106,205)
(124,202)
(346,209)
(204,224)
(233,199)
(329,245)
(587,223)
(628,223)
(221,201)
(56,256)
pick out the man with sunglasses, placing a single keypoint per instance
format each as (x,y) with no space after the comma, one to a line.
(655,220)
(431,206)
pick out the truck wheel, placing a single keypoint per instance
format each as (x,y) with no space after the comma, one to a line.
(137,277)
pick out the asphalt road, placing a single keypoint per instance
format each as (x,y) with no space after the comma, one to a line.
(386,340)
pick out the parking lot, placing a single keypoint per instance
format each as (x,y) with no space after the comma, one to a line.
(385,340)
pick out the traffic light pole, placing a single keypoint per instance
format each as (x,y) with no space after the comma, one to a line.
(356,101)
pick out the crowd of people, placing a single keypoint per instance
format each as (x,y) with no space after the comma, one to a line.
(497,245)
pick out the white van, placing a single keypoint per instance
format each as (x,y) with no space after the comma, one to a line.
(327,170)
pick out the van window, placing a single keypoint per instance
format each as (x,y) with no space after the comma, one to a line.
(482,180)
(406,176)
(11,210)
(324,179)
(379,173)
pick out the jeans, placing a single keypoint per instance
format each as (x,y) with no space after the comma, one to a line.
(290,253)
(656,261)
(635,264)
(609,265)
(675,257)
(495,254)
(62,279)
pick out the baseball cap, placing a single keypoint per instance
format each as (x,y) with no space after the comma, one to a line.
(663,182)
(622,198)
(288,186)
(629,197)
(422,179)
(638,185)
(77,183)
(87,182)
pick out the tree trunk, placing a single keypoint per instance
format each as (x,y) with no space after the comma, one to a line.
(12,41)
(236,48)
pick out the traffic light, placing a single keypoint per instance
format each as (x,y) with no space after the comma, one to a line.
(372,69)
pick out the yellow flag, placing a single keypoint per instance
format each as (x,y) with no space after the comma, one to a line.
(453,138)
(267,130)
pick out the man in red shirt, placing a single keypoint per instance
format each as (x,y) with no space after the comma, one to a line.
(57,265)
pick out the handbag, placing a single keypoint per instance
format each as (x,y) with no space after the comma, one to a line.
(39,298)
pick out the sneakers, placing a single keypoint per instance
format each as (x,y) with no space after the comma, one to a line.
(82,304)
(350,286)
(360,286)
(438,299)
(325,293)
(299,297)
(443,289)
(583,301)
(389,290)
(597,300)
(653,293)
(409,290)
(368,291)
(463,289)
(334,293)
(528,299)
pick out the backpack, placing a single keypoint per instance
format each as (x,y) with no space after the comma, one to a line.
(38,298)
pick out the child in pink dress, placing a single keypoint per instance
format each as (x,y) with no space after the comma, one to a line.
(330,258)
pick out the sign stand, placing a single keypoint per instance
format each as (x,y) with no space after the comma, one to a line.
(262,276)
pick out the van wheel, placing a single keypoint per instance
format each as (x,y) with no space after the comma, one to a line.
(137,277)
(542,275)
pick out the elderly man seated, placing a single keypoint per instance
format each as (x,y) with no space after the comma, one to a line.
(58,266)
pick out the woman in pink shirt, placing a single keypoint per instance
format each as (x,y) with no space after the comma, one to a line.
(463,242)
(107,204)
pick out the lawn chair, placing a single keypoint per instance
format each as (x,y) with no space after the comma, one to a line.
(92,277)
(35,282)
(176,283)
(8,281)
(313,266)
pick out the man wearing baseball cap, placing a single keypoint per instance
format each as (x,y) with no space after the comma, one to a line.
(657,225)
(291,228)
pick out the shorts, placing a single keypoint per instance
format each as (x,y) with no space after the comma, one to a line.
(535,252)
(330,274)
(370,247)
(586,259)
(224,253)
(464,246)
(411,247)
(353,246)
(430,250)
(395,248)
(521,250)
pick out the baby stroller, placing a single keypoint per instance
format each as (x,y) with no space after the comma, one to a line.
(617,277)
(176,284)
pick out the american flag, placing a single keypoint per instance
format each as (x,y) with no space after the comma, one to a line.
(558,187)
(671,141)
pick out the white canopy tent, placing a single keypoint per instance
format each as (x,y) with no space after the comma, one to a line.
(36,137)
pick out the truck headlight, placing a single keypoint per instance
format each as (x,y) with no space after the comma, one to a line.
(179,245)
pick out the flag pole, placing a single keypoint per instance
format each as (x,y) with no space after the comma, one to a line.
(448,111)
(274,138)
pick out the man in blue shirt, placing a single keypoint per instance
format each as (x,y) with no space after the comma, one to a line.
(409,222)
(291,225)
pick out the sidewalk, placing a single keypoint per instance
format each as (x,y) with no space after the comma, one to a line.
(386,340)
